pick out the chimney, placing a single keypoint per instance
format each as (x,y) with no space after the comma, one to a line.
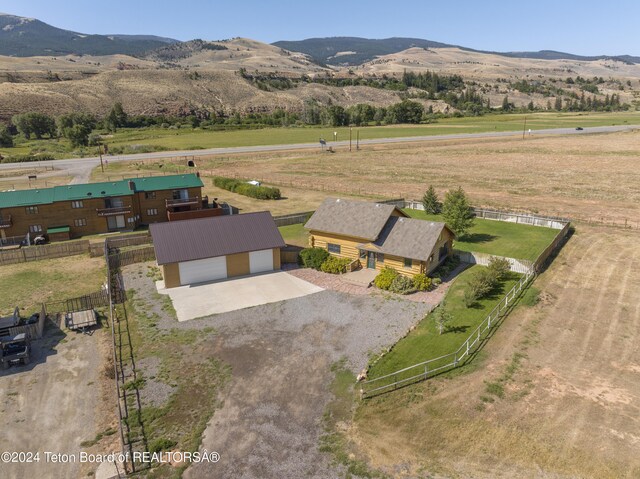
(132,185)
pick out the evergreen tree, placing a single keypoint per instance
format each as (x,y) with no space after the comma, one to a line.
(457,212)
(6,140)
(117,118)
(430,201)
(558,104)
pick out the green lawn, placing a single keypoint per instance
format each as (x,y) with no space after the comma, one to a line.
(499,238)
(188,138)
(425,342)
(295,235)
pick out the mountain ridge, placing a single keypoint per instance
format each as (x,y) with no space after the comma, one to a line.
(352,51)
(26,37)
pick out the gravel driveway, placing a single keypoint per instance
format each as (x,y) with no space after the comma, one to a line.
(281,353)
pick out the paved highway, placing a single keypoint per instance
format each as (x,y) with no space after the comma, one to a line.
(80,168)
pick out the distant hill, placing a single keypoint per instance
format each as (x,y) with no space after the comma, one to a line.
(25,37)
(356,51)
(353,50)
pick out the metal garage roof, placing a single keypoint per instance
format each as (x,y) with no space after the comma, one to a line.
(188,240)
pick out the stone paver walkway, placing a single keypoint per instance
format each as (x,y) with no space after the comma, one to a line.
(334,282)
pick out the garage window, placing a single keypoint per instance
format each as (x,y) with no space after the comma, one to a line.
(333,248)
(408,263)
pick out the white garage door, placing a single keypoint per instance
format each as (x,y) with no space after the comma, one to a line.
(202,270)
(260,261)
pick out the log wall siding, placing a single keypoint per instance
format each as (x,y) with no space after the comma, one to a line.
(349,249)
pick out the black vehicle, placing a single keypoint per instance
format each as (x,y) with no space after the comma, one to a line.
(16,350)
(579,128)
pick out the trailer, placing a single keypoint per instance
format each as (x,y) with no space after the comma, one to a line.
(81,320)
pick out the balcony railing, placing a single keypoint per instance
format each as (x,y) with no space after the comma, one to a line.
(195,200)
(118,210)
(5,222)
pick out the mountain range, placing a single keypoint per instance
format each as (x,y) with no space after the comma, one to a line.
(344,51)
(25,37)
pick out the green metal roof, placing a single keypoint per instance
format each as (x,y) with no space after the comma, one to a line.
(106,189)
(58,229)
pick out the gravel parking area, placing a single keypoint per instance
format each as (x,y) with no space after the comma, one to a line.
(271,416)
(271,419)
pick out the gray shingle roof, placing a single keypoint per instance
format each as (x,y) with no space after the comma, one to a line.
(409,238)
(188,240)
(361,219)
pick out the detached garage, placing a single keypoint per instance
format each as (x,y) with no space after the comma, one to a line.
(216,248)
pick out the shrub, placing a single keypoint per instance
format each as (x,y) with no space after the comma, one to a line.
(451,263)
(385,278)
(480,285)
(313,257)
(422,282)
(500,267)
(243,188)
(335,265)
(161,444)
(26,158)
(436,281)
(402,285)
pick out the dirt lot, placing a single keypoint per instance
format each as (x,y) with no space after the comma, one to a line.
(58,402)
(569,406)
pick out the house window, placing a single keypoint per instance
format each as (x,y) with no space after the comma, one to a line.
(35,228)
(380,258)
(149,195)
(32,210)
(430,258)
(333,248)
(363,254)
(80,222)
(152,211)
(77,204)
(408,262)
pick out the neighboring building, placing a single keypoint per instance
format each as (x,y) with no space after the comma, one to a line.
(70,211)
(210,249)
(379,235)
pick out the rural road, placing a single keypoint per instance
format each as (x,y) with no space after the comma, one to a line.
(80,168)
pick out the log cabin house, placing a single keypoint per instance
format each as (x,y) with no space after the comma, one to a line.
(379,235)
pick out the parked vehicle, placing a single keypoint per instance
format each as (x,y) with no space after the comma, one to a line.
(579,128)
(16,350)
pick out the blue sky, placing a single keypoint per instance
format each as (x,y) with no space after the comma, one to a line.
(586,27)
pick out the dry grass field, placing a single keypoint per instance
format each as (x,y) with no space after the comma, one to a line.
(567,402)
(582,177)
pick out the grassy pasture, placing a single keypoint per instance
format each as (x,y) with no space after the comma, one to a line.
(146,139)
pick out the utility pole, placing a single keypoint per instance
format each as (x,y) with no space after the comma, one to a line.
(350,138)
(524,128)
(100,153)
(357,139)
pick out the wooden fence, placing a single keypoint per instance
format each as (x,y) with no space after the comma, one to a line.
(556,244)
(290,254)
(33,331)
(292,219)
(47,251)
(120,259)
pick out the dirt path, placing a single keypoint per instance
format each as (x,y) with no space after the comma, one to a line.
(571,403)
(50,404)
